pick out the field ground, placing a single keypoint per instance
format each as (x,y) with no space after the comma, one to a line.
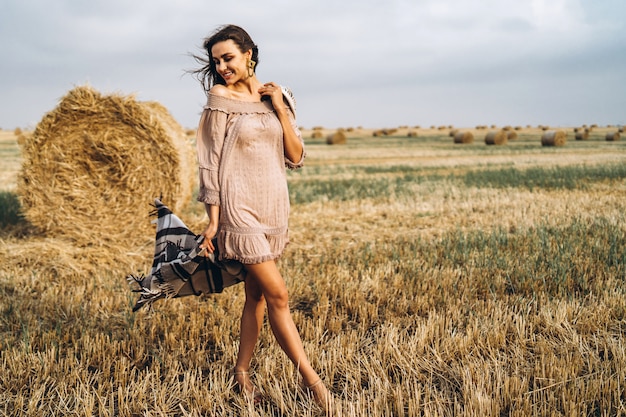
(427,278)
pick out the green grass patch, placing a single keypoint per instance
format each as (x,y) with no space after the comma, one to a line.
(363,182)
(568,177)
(10,209)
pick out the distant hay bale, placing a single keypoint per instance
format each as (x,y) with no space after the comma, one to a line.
(498,137)
(453,132)
(582,134)
(621,129)
(317,134)
(612,136)
(337,138)
(554,138)
(411,134)
(384,132)
(95,163)
(511,135)
(463,137)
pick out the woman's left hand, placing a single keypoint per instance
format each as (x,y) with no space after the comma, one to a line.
(274,92)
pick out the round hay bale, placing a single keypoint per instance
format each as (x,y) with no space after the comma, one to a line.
(554,138)
(411,134)
(498,137)
(453,132)
(337,138)
(463,137)
(511,135)
(95,163)
(612,136)
(582,134)
(317,134)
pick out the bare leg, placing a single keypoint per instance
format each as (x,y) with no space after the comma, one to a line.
(251,322)
(272,286)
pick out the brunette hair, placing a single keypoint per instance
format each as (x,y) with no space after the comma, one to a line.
(207,74)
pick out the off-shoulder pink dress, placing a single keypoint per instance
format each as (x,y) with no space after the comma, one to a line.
(242,169)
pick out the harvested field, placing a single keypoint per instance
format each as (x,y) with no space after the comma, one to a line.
(426,278)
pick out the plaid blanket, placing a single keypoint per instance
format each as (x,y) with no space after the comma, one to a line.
(179,267)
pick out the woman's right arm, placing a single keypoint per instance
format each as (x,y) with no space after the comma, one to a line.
(209,142)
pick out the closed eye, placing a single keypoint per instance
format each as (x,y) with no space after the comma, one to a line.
(226,58)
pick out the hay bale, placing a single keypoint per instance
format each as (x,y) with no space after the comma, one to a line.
(554,138)
(511,135)
(317,134)
(95,163)
(453,132)
(337,138)
(411,134)
(498,137)
(463,137)
(612,136)
(582,134)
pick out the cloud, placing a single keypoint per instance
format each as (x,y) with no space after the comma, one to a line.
(356,62)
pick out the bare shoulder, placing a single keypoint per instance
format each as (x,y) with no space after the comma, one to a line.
(220,90)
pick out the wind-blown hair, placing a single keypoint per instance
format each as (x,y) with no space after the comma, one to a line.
(207,74)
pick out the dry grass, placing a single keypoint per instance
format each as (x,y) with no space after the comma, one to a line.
(432,299)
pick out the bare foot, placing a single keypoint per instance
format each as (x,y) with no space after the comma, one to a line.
(323,398)
(246,387)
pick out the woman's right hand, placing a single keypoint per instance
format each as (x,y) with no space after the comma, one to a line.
(208,234)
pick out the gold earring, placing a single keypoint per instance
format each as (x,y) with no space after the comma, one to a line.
(251,64)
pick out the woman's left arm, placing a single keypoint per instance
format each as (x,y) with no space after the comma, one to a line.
(292,143)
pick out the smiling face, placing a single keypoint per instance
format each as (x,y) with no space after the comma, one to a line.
(230,62)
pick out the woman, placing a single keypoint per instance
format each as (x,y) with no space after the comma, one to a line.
(246,137)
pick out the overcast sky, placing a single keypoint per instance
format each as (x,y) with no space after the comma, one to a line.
(349,62)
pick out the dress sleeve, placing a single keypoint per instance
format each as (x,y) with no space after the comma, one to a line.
(289,163)
(209,142)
